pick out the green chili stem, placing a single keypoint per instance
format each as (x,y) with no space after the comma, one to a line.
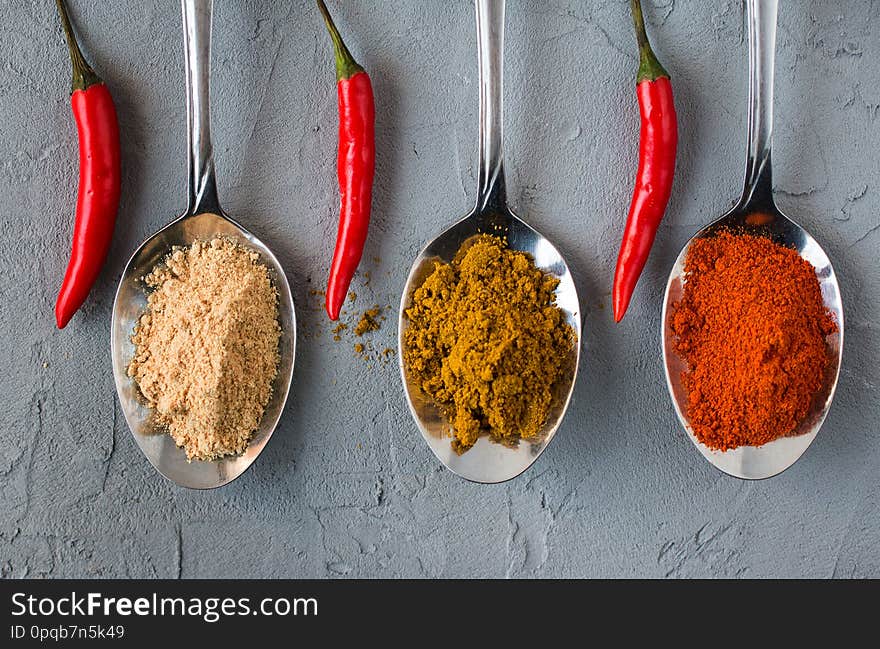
(649,67)
(346,66)
(83,75)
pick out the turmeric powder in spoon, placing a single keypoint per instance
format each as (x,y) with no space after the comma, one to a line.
(487,342)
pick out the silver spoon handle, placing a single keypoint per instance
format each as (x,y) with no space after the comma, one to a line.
(762,54)
(490,49)
(202,186)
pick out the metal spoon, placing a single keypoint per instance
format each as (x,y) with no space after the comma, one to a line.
(203,220)
(757,212)
(488,462)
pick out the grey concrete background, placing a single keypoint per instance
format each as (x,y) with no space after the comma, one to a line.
(347,488)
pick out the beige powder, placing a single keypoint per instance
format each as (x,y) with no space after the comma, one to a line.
(206,348)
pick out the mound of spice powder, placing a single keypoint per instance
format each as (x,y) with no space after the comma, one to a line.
(752,328)
(487,343)
(206,349)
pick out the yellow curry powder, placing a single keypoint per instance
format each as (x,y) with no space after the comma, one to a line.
(487,342)
(369,321)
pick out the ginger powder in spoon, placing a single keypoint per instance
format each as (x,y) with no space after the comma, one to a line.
(206,348)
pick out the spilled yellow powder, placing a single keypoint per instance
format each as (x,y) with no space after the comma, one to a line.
(206,348)
(369,321)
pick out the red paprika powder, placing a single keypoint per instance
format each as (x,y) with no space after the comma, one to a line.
(752,328)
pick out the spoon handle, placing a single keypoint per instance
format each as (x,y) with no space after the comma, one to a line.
(758,191)
(490,49)
(202,186)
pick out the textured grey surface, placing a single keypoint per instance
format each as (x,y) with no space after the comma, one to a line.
(347,487)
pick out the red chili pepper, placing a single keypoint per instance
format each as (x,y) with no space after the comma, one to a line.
(99,177)
(355,167)
(658,141)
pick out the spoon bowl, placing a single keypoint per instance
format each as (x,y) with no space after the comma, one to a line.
(203,220)
(757,213)
(486,461)
(757,462)
(130,303)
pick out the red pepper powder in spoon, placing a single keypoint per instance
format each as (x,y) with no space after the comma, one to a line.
(752,328)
